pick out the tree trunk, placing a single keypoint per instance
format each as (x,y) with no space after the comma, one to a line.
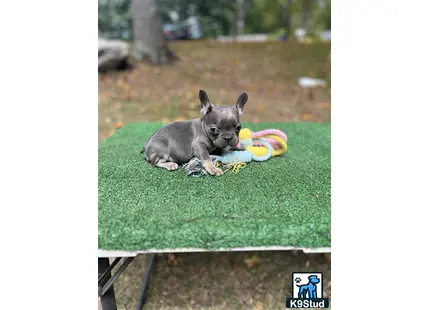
(148,39)
(287,18)
(240,21)
(234,28)
(305,14)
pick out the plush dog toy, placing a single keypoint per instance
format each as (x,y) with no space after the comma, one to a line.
(256,146)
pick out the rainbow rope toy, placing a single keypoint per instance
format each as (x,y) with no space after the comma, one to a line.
(255,146)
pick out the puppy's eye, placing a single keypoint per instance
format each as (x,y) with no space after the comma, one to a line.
(238,128)
(214,130)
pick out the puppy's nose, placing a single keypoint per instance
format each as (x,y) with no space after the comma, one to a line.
(228,138)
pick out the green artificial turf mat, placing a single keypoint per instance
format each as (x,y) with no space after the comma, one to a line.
(284,201)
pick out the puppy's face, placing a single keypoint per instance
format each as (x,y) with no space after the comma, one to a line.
(222,124)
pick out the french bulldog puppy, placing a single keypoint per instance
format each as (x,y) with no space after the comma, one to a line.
(217,129)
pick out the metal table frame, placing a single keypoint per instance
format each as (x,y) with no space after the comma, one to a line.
(106,280)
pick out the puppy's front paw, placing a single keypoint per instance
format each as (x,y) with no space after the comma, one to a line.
(214,171)
(172,166)
(211,169)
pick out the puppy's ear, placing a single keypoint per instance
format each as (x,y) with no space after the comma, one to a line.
(205,103)
(243,98)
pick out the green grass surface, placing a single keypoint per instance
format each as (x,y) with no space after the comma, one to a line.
(281,202)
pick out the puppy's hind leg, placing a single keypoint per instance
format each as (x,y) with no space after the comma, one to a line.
(164,162)
(155,153)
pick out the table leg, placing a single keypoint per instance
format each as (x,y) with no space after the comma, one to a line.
(144,288)
(108,298)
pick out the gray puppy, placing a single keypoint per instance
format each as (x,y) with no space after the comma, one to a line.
(216,130)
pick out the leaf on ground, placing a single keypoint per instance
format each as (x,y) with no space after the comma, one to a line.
(120,83)
(259,305)
(172,260)
(323,105)
(252,261)
(259,108)
(165,120)
(234,267)
(118,124)
(306,117)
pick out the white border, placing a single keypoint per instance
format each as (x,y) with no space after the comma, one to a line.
(380,171)
(380,154)
(48,158)
(119,253)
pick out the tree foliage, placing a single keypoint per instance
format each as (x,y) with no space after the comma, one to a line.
(219,17)
(114,18)
(323,16)
(264,16)
(216,17)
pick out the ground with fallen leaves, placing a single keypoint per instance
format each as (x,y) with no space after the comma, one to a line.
(219,281)
(269,72)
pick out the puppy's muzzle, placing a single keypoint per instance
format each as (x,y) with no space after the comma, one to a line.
(228,138)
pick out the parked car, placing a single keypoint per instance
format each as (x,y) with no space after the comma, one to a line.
(325,35)
(173,32)
(189,29)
